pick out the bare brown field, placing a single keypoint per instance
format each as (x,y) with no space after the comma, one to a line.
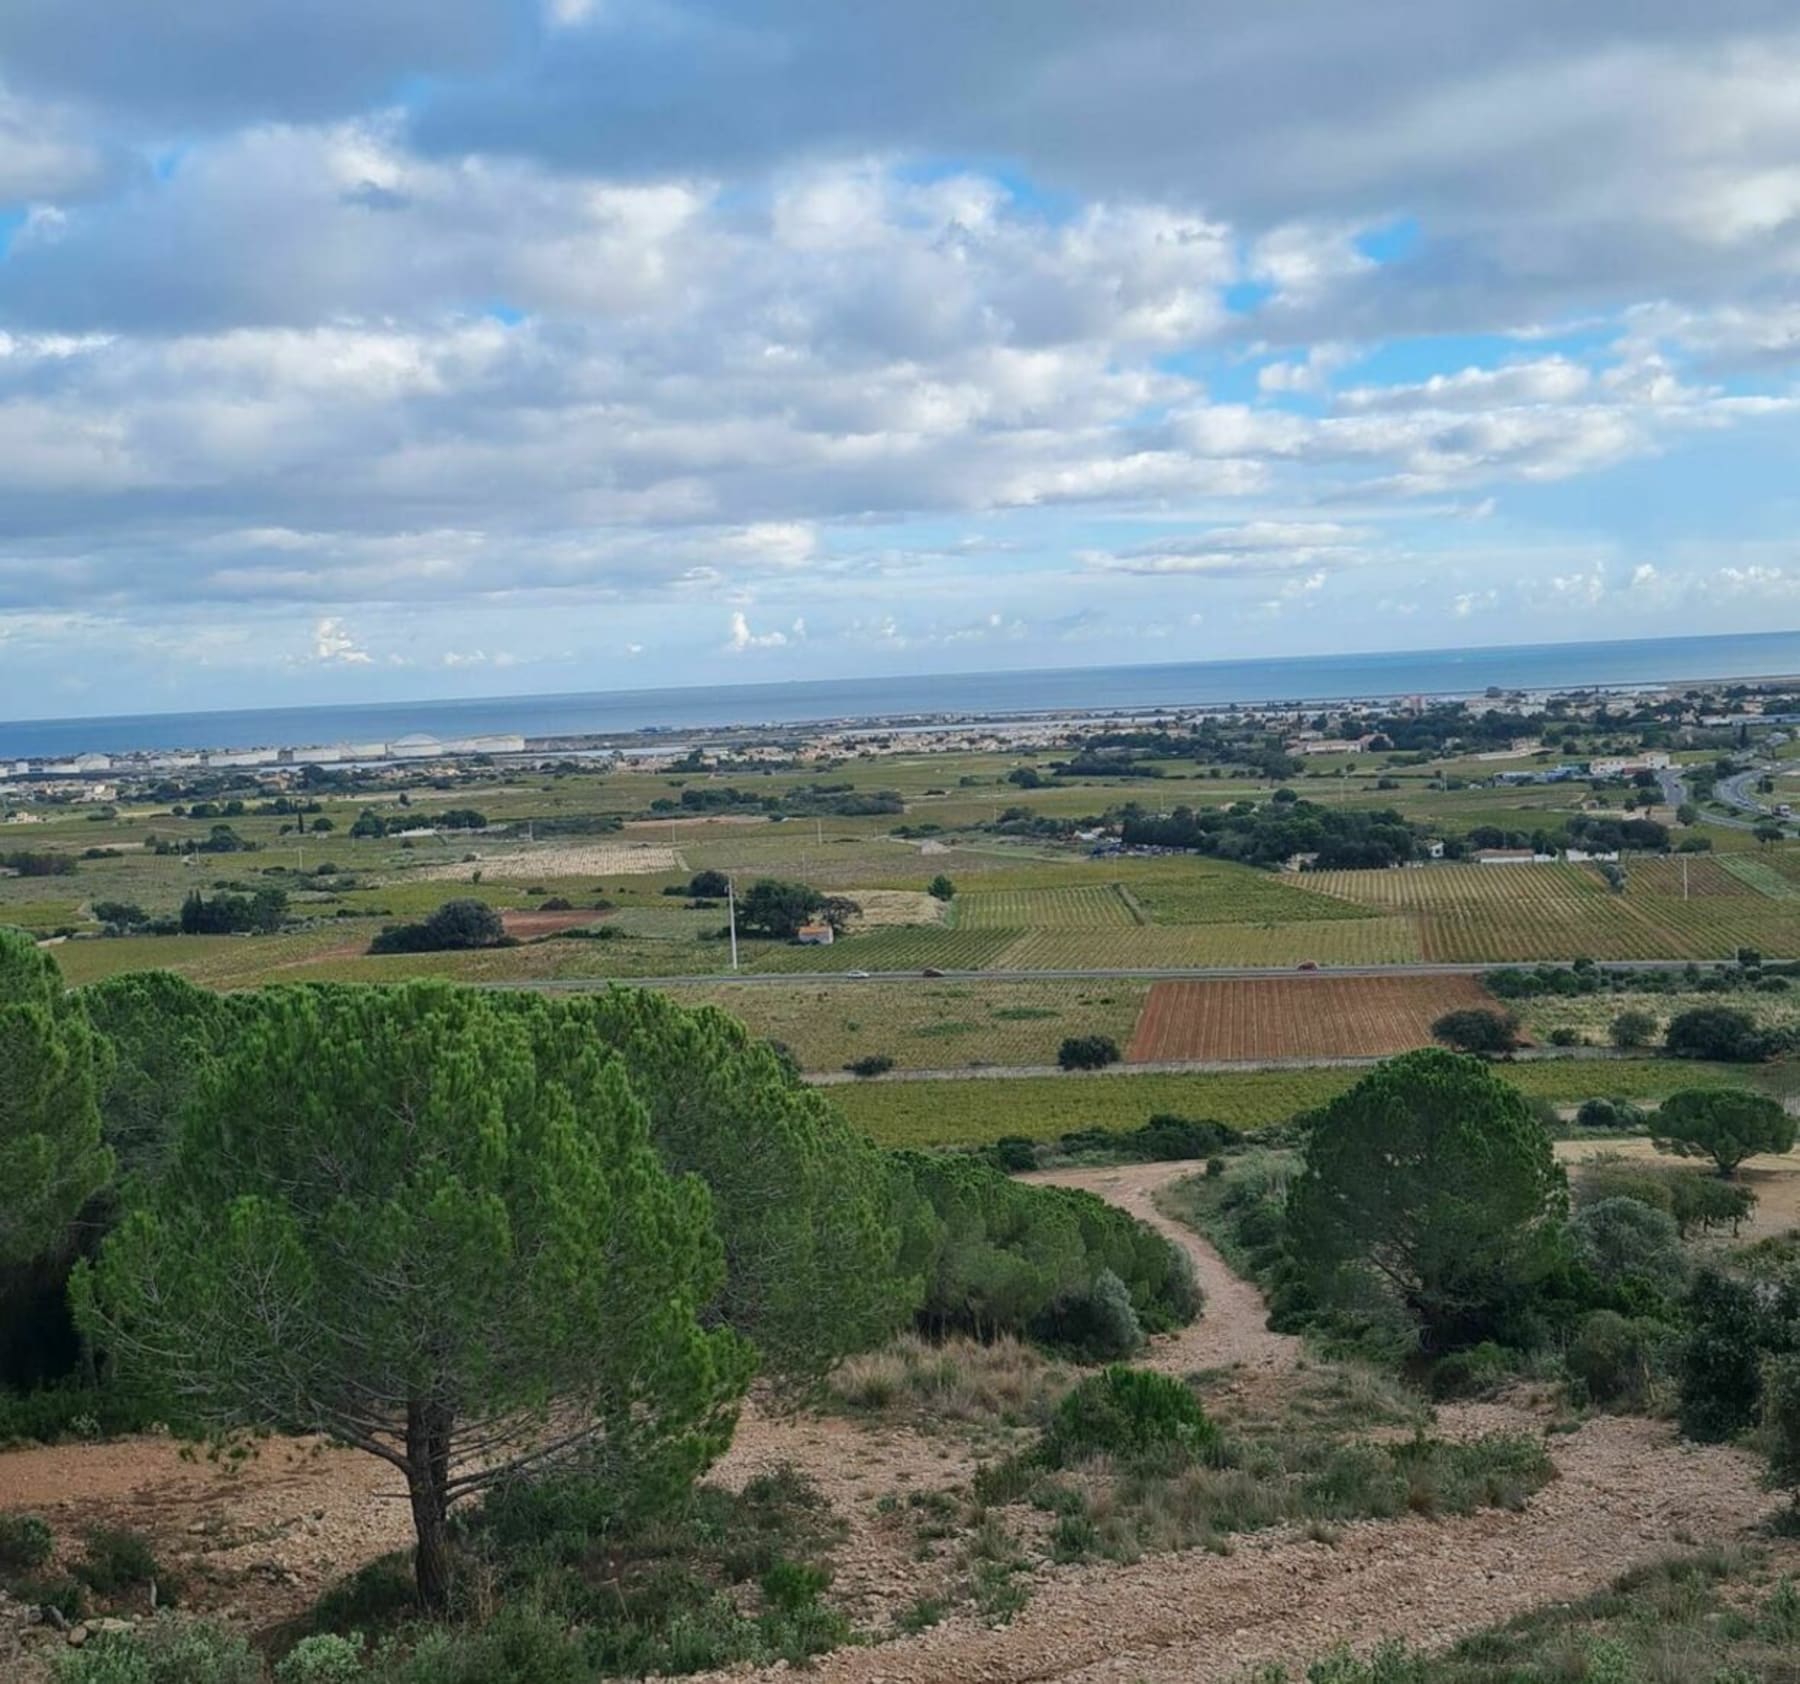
(559,859)
(1296,1016)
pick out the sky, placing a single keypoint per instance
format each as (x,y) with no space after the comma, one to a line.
(381,349)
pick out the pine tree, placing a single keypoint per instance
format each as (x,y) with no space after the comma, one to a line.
(385,1221)
(52,1065)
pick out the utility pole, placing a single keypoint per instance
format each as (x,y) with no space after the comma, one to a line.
(731,902)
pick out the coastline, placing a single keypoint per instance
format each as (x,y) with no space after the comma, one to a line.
(603,721)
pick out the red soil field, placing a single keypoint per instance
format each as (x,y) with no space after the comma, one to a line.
(1297,1016)
(527,924)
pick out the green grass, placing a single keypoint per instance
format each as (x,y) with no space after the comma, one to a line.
(1761,876)
(903,948)
(924,1026)
(978,1110)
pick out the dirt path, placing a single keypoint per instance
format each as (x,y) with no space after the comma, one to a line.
(264,1539)
(1232,1329)
(1627,1491)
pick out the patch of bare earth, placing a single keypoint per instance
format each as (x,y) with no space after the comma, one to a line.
(885,908)
(1297,1016)
(557,859)
(262,1541)
(1627,1491)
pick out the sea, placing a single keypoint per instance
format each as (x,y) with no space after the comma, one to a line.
(980,695)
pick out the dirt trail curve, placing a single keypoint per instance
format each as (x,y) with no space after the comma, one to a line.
(278,1529)
(1627,1492)
(1232,1330)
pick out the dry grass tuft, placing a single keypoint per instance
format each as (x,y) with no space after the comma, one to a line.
(1005,1383)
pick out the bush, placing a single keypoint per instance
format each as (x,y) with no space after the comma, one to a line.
(1630,1245)
(1478,1030)
(1696,1200)
(1480,1371)
(379,1593)
(1000,1256)
(24,1543)
(1167,1138)
(115,1560)
(165,1651)
(1087,1052)
(1721,1033)
(1563,1036)
(1014,1154)
(871,1064)
(455,926)
(1781,1430)
(1617,1114)
(322,1659)
(1734,1323)
(1617,1359)
(1631,1029)
(1134,1414)
(1096,1325)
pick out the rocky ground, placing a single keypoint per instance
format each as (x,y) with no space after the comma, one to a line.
(259,1539)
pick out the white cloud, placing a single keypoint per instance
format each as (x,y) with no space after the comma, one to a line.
(742,638)
(333,645)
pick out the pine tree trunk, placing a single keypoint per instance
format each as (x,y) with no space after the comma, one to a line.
(428,1472)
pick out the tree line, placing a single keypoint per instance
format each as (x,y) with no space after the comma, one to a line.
(485,1235)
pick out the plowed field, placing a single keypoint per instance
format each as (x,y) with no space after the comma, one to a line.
(1297,1017)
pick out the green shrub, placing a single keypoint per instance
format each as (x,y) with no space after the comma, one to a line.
(55,1413)
(1133,1414)
(1629,1244)
(999,1256)
(1615,1359)
(1480,1371)
(168,1650)
(518,1644)
(321,1659)
(67,1595)
(1014,1154)
(1097,1324)
(1734,1323)
(1088,1052)
(1610,1114)
(24,1543)
(872,1064)
(377,1594)
(1166,1138)
(116,1559)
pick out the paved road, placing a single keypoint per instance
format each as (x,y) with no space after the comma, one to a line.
(1735,792)
(1213,973)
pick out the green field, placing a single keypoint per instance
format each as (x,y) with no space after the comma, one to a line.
(975,1110)
(1021,903)
(928,1026)
(1091,906)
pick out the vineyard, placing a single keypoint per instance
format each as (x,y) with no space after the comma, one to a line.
(1518,913)
(1095,906)
(1296,1017)
(1760,875)
(975,1110)
(1206,892)
(1361,941)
